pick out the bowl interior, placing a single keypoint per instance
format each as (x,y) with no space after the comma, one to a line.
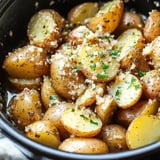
(14,17)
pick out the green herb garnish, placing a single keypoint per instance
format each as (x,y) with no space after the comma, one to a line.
(102,76)
(75,68)
(117,94)
(93,122)
(83,116)
(114,53)
(141,73)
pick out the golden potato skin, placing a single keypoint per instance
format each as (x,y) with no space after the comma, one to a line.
(28,62)
(151,84)
(115,137)
(82,12)
(54,115)
(44,29)
(43,132)
(67,82)
(84,145)
(152,28)
(108,17)
(26,107)
(129,20)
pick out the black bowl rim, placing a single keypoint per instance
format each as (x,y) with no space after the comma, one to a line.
(21,139)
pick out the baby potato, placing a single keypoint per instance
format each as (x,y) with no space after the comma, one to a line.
(48,95)
(43,132)
(151,84)
(152,28)
(151,53)
(26,107)
(67,80)
(105,108)
(82,12)
(128,49)
(115,137)
(108,17)
(19,84)
(84,145)
(126,116)
(78,34)
(44,29)
(96,63)
(81,122)
(126,90)
(142,131)
(90,95)
(54,113)
(28,62)
(129,20)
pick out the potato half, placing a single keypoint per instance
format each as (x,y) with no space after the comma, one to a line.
(43,132)
(44,29)
(126,90)
(108,17)
(81,122)
(144,130)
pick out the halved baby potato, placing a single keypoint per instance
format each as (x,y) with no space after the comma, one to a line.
(26,107)
(44,29)
(108,17)
(96,63)
(105,108)
(48,94)
(81,122)
(27,62)
(143,130)
(84,145)
(82,12)
(43,132)
(126,90)
(128,48)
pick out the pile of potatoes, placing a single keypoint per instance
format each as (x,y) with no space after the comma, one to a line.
(90,82)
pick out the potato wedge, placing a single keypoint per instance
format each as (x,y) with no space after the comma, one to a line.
(143,130)
(105,108)
(115,137)
(126,90)
(43,132)
(81,122)
(28,62)
(84,145)
(151,28)
(108,17)
(44,29)
(26,107)
(90,95)
(48,95)
(126,116)
(96,63)
(128,48)
(151,84)
(82,12)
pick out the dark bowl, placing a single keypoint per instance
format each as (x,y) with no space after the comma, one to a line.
(14,16)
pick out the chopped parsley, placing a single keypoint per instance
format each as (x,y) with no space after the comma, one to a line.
(73,110)
(141,73)
(133,84)
(102,76)
(107,38)
(83,116)
(53,100)
(75,68)
(93,65)
(118,93)
(93,122)
(104,66)
(114,53)
(102,54)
